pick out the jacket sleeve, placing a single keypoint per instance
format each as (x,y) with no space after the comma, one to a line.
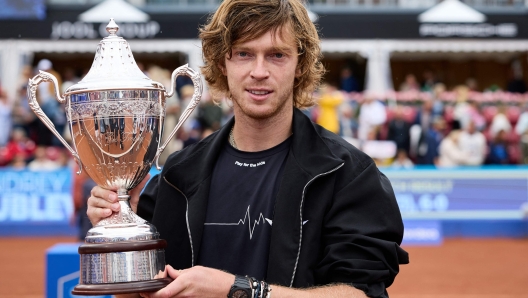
(361,235)
(147,199)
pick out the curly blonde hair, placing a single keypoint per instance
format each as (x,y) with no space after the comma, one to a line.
(238,21)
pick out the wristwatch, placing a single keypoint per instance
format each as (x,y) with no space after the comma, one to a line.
(242,288)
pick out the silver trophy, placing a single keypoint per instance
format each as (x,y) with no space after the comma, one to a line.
(116,116)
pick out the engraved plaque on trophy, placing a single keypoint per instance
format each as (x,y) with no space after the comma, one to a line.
(115,115)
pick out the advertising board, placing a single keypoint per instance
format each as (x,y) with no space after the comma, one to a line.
(35,202)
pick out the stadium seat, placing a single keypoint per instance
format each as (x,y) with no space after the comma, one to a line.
(409,114)
(513,137)
(489,112)
(487,134)
(513,113)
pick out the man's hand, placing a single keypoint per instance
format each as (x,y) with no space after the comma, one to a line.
(103,202)
(197,281)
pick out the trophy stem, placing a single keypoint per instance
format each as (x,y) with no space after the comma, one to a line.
(125,216)
(122,195)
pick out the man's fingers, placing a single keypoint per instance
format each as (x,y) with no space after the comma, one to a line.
(98,202)
(101,204)
(171,290)
(173,273)
(96,214)
(105,194)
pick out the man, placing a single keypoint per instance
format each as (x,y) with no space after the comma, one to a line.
(473,142)
(399,131)
(270,195)
(372,115)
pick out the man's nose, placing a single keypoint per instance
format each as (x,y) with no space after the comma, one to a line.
(260,70)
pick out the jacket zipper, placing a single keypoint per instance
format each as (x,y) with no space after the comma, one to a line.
(301,216)
(186,219)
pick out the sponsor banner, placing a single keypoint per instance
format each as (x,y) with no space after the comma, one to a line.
(38,203)
(22,9)
(478,194)
(33,198)
(468,30)
(422,232)
(84,30)
(64,23)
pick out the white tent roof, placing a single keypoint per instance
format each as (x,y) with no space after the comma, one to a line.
(120,10)
(451,11)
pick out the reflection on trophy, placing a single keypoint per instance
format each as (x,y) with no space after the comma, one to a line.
(116,118)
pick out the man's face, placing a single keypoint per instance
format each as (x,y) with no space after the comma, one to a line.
(261,73)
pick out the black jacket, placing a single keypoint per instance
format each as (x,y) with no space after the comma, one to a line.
(353,227)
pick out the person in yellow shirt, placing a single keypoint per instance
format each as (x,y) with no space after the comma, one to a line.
(329,101)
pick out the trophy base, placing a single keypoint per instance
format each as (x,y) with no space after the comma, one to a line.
(122,267)
(121,288)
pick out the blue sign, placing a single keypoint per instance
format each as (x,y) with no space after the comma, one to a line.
(35,197)
(23,9)
(422,232)
(38,202)
(62,271)
(482,194)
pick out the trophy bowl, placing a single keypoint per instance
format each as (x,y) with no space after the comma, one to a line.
(115,115)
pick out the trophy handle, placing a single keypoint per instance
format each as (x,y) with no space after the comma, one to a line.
(197,82)
(33,103)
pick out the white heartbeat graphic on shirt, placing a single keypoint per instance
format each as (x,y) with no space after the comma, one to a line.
(242,221)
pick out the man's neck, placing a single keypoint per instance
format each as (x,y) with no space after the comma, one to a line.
(253,135)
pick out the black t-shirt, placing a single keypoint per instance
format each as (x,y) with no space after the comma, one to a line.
(237,230)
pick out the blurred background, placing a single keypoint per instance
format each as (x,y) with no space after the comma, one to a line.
(434,91)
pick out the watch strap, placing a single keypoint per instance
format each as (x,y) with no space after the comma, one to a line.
(241,283)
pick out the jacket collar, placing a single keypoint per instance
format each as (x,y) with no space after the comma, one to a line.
(308,148)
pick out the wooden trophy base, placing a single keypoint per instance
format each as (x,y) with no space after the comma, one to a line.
(122,287)
(102,253)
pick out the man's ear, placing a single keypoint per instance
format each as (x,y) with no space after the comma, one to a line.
(298,72)
(222,69)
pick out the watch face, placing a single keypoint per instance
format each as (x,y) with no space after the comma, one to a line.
(240,294)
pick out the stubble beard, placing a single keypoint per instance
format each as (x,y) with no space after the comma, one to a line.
(275,110)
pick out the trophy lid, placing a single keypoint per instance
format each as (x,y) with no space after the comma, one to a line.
(114,67)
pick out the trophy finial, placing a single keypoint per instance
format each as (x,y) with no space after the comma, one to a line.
(112,27)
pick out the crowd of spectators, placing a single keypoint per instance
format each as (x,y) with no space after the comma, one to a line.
(425,124)
(26,143)
(443,128)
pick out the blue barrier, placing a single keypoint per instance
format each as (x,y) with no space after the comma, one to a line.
(37,203)
(422,232)
(470,201)
(501,228)
(461,194)
(62,271)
